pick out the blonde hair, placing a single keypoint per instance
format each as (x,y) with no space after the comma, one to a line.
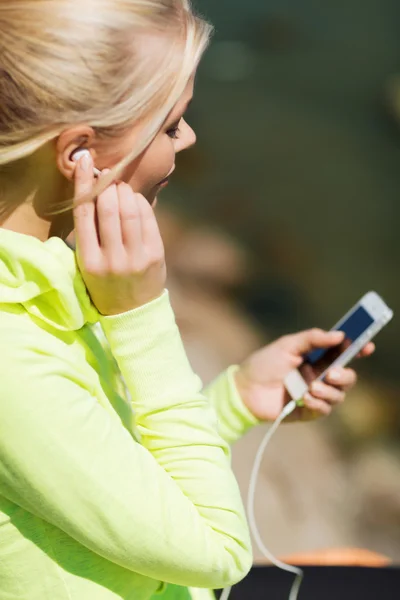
(69,62)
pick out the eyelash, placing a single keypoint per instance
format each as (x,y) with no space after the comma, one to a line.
(173,133)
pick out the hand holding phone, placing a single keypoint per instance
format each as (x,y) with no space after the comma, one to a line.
(360,325)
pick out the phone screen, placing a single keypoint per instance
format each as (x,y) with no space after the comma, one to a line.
(354,326)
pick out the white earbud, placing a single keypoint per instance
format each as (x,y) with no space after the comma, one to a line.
(77,155)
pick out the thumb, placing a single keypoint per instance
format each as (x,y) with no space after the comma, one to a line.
(304,342)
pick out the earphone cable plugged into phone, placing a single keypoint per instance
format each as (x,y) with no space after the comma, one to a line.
(360,325)
(289,408)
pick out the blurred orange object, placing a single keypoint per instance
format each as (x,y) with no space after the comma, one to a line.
(351,557)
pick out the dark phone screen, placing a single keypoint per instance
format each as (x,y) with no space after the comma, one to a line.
(357,323)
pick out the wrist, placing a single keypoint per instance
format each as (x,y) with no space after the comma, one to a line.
(243,388)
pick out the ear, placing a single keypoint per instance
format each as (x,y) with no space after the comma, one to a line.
(70,140)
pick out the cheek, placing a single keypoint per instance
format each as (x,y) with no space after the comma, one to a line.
(151,167)
(160,158)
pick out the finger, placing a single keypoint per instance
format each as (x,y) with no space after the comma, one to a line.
(342,378)
(131,219)
(316,405)
(150,230)
(85,212)
(328,393)
(367,350)
(303,342)
(107,207)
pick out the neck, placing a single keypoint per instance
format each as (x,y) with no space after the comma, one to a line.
(33,198)
(25,220)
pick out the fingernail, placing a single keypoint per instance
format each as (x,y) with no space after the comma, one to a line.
(334,375)
(86,162)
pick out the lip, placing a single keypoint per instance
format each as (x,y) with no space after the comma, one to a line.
(164,182)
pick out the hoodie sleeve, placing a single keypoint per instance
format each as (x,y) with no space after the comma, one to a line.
(168,508)
(233,417)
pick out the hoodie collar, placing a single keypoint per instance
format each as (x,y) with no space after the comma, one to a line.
(44,278)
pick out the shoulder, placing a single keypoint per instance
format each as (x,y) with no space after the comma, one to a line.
(31,356)
(21,336)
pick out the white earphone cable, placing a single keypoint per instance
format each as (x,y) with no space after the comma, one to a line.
(289,408)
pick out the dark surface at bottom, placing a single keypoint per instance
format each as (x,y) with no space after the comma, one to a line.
(321,583)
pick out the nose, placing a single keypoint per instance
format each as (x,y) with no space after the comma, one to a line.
(187,137)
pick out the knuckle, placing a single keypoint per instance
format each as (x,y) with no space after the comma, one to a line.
(316,332)
(322,407)
(129,212)
(139,264)
(157,257)
(310,401)
(94,269)
(114,267)
(118,266)
(140,267)
(109,210)
(119,272)
(81,210)
(286,341)
(147,261)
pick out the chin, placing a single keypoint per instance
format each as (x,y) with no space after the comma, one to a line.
(151,197)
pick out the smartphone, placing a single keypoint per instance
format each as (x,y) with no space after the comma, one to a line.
(360,325)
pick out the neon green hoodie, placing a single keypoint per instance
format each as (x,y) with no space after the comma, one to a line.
(103,498)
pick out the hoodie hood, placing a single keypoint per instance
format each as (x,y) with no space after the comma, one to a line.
(44,278)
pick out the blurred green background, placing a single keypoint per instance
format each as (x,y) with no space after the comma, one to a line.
(297,113)
(298,156)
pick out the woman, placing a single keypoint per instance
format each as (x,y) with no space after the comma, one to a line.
(103,498)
